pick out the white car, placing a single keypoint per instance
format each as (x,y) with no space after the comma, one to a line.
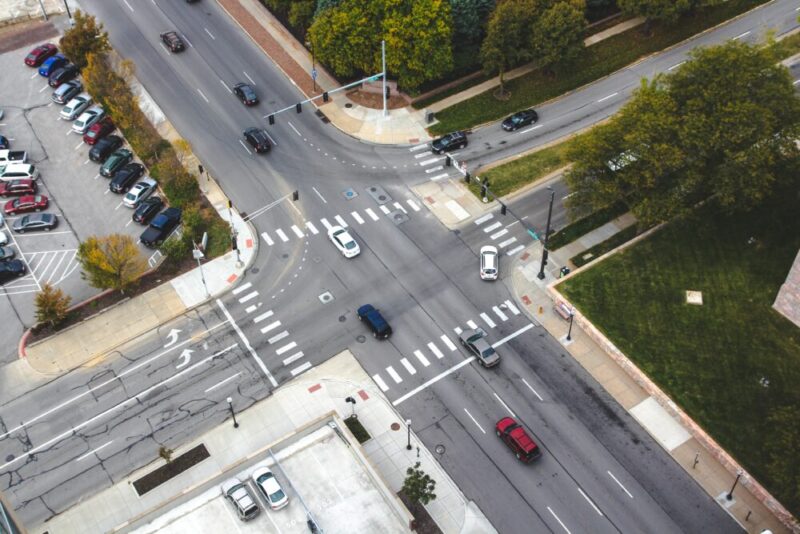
(139,192)
(87,118)
(344,242)
(268,485)
(3,238)
(76,106)
(490,263)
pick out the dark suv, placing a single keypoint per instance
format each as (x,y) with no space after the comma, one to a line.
(380,328)
(451,141)
(258,139)
(173,41)
(512,433)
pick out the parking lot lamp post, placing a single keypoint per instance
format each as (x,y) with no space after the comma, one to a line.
(233,414)
(546,234)
(408,426)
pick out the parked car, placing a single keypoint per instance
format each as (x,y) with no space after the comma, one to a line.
(380,328)
(258,139)
(66,91)
(15,188)
(490,263)
(139,192)
(269,487)
(161,226)
(38,55)
(13,156)
(525,449)
(147,209)
(125,177)
(36,221)
(9,270)
(6,253)
(476,344)
(98,130)
(451,141)
(240,498)
(63,74)
(25,204)
(87,119)
(3,238)
(4,142)
(343,241)
(246,94)
(104,147)
(519,119)
(173,41)
(75,106)
(120,158)
(15,171)
(51,64)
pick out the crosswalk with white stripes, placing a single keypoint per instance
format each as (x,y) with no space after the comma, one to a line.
(441,348)
(433,164)
(495,231)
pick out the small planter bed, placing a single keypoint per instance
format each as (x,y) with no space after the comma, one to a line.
(423,522)
(357,429)
(174,468)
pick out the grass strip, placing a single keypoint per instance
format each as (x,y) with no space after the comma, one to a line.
(583,226)
(591,253)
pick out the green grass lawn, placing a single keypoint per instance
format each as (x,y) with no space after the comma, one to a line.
(595,62)
(711,359)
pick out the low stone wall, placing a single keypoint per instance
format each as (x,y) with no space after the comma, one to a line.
(12,11)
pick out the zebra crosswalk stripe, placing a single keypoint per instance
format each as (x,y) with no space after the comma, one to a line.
(283,236)
(471,324)
(421,357)
(408,366)
(400,207)
(381,384)
(325,223)
(414,205)
(385,210)
(341,221)
(450,344)
(297,231)
(503,316)
(435,350)
(357,217)
(267,238)
(372,214)
(511,307)
(488,320)
(393,374)
(311,227)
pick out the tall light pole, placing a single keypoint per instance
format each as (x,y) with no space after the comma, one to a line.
(546,234)
(383,61)
(408,426)
(233,414)
(729,496)
(571,317)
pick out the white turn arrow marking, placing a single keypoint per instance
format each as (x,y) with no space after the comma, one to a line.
(186,355)
(173,337)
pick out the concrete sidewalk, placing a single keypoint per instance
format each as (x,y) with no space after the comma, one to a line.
(290,409)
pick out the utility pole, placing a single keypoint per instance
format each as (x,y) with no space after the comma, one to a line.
(546,234)
(383,60)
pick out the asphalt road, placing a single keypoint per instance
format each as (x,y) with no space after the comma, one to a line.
(600,472)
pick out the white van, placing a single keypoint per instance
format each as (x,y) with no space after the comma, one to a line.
(16,171)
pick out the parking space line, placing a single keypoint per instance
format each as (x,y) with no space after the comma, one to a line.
(79,145)
(53,272)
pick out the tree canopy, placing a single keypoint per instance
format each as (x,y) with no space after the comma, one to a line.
(85,37)
(720,127)
(111,262)
(557,35)
(506,35)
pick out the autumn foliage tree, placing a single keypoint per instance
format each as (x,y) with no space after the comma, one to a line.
(52,305)
(85,37)
(111,262)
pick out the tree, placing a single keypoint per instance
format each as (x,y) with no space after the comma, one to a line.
(52,305)
(85,37)
(504,48)
(469,19)
(557,35)
(652,10)
(301,14)
(418,486)
(111,262)
(165,453)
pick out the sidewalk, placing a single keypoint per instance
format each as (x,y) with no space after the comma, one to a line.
(290,409)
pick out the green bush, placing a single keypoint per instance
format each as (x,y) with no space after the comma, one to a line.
(175,252)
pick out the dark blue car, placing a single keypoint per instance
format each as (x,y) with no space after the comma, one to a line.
(51,64)
(380,328)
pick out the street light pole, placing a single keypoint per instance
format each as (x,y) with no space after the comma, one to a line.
(233,414)
(383,61)
(729,496)
(546,234)
(408,426)
(569,332)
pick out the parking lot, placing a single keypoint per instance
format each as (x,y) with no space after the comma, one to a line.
(78,196)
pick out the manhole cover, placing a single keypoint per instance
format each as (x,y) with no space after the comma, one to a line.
(342,318)
(254,270)
(439,449)
(361,339)
(379,194)
(326,297)
(398,217)
(284,256)
(349,194)
(10,457)
(394,426)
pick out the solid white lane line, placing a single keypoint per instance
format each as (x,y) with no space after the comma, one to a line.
(325,223)
(297,231)
(271,326)
(474,421)
(393,374)
(293,358)
(450,344)
(421,357)
(512,336)
(507,242)
(501,233)
(493,227)
(204,96)
(267,238)
(487,320)
(242,288)
(620,484)
(282,235)
(414,205)
(612,95)
(311,227)
(472,324)
(511,307)
(480,220)
(247,345)
(357,217)
(263,316)
(500,314)
(435,350)
(559,521)
(286,348)
(277,337)
(505,405)
(220,383)
(533,390)
(372,214)
(385,210)
(94,451)
(341,221)
(596,509)
(300,369)
(209,34)
(381,384)
(249,296)
(408,366)
(515,250)
(433,380)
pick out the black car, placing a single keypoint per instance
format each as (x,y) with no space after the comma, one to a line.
(35,221)
(246,94)
(147,210)
(520,119)
(10,270)
(126,177)
(64,74)
(173,41)
(104,147)
(380,328)
(449,142)
(258,139)
(4,142)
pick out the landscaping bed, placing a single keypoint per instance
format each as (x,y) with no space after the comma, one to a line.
(170,470)
(357,429)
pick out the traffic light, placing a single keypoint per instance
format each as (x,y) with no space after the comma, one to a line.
(230,204)
(298,107)
(325,96)
(502,209)
(448,161)
(296,195)
(271,119)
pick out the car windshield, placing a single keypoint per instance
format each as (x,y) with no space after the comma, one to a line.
(277,496)
(350,245)
(488,352)
(490,271)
